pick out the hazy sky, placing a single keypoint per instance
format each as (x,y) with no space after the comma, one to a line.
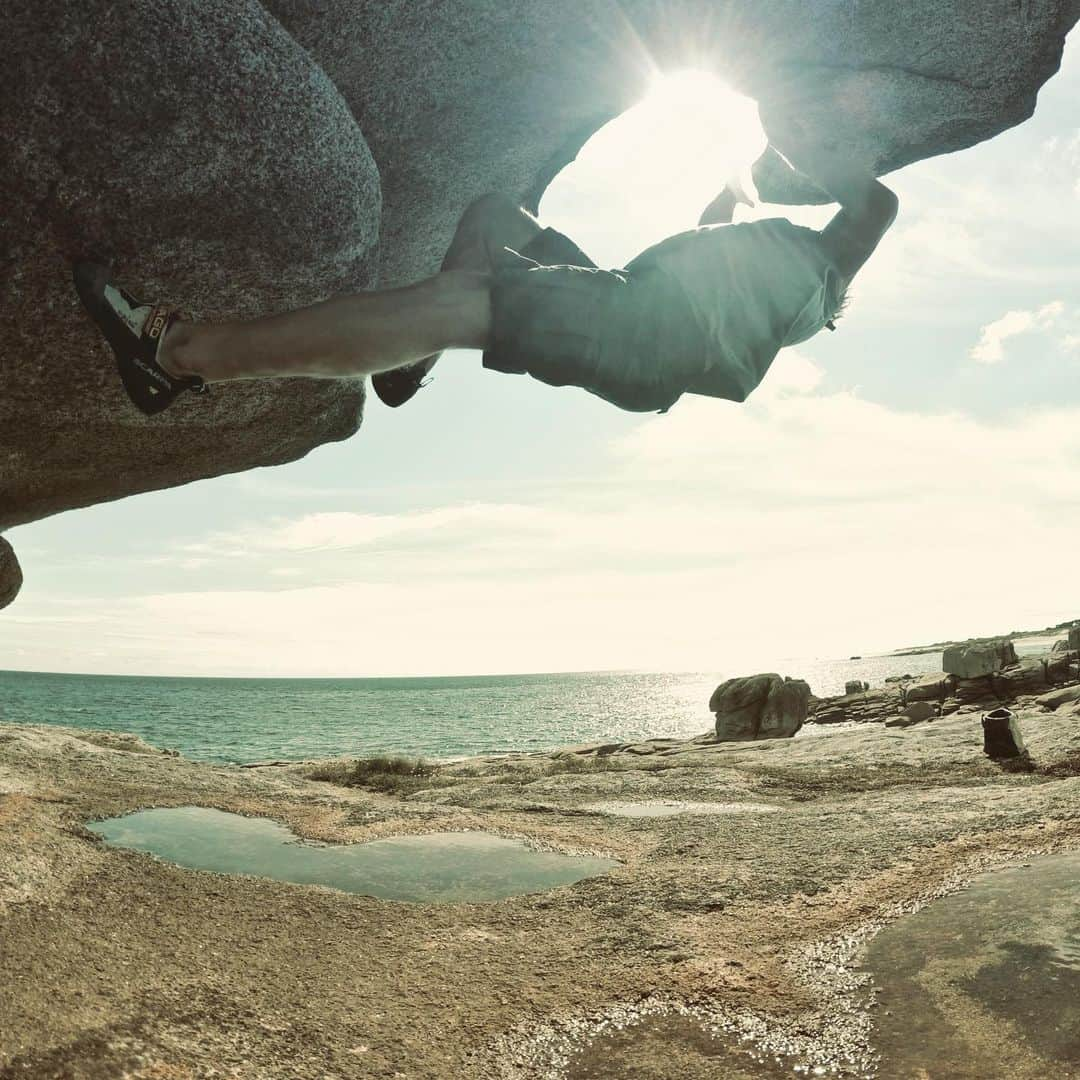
(914,476)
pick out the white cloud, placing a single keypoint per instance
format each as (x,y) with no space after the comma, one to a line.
(343,530)
(990,348)
(719,536)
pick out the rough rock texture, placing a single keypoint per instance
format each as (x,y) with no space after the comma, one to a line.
(872,706)
(759,707)
(199,150)
(975,661)
(218,163)
(1073,642)
(10,574)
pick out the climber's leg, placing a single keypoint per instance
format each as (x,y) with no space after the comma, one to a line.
(354,335)
(489,225)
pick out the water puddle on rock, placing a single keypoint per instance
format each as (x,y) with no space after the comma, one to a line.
(653,808)
(443,868)
(985,982)
(671,1045)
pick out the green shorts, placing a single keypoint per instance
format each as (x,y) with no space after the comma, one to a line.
(705,311)
(573,324)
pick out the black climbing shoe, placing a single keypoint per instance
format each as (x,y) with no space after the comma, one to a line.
(135,331)
(395,387)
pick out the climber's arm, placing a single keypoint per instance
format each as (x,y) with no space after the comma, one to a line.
(867,206)
(856,230)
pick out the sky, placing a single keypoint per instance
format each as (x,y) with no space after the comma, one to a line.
(914,476)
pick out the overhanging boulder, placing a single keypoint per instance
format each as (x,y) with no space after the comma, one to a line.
(216,154)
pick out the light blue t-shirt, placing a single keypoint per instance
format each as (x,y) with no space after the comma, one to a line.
(754,288)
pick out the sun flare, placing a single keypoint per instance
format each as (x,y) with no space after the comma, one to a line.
(651,171)
(701,102)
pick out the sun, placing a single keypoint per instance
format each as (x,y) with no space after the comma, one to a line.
(699,104)
(651,171)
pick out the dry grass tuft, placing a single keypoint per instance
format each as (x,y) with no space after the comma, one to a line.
(390,775)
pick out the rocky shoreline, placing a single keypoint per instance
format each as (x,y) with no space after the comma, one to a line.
(741,907)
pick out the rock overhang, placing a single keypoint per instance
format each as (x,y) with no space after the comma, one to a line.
(244,159)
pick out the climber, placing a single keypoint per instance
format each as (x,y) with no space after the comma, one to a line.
(705,311)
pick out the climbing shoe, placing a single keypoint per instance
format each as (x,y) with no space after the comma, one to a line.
(134,331)
(395,387)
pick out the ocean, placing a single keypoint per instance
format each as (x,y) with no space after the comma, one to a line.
(245,720)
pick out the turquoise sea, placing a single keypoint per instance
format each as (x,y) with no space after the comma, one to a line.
(243,720)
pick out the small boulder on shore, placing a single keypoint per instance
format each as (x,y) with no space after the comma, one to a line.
(915,713)
(930,687)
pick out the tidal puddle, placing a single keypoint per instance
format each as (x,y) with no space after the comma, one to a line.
(653,808)
(665,1046)
(985,982)
(443,868)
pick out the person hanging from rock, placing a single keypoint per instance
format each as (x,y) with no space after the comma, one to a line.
(703,312)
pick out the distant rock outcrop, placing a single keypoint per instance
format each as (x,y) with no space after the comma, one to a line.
(242,158)
(1048,680)
(759,707)
(10,574)
(976,660)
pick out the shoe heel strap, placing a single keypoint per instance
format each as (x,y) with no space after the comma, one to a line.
(154,330)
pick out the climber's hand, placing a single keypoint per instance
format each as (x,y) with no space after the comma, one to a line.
(722,209)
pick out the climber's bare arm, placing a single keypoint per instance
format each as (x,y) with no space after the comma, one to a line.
(867,206)
(866,213)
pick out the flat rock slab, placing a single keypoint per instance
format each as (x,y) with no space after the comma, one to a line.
(985,982)
(113,963)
